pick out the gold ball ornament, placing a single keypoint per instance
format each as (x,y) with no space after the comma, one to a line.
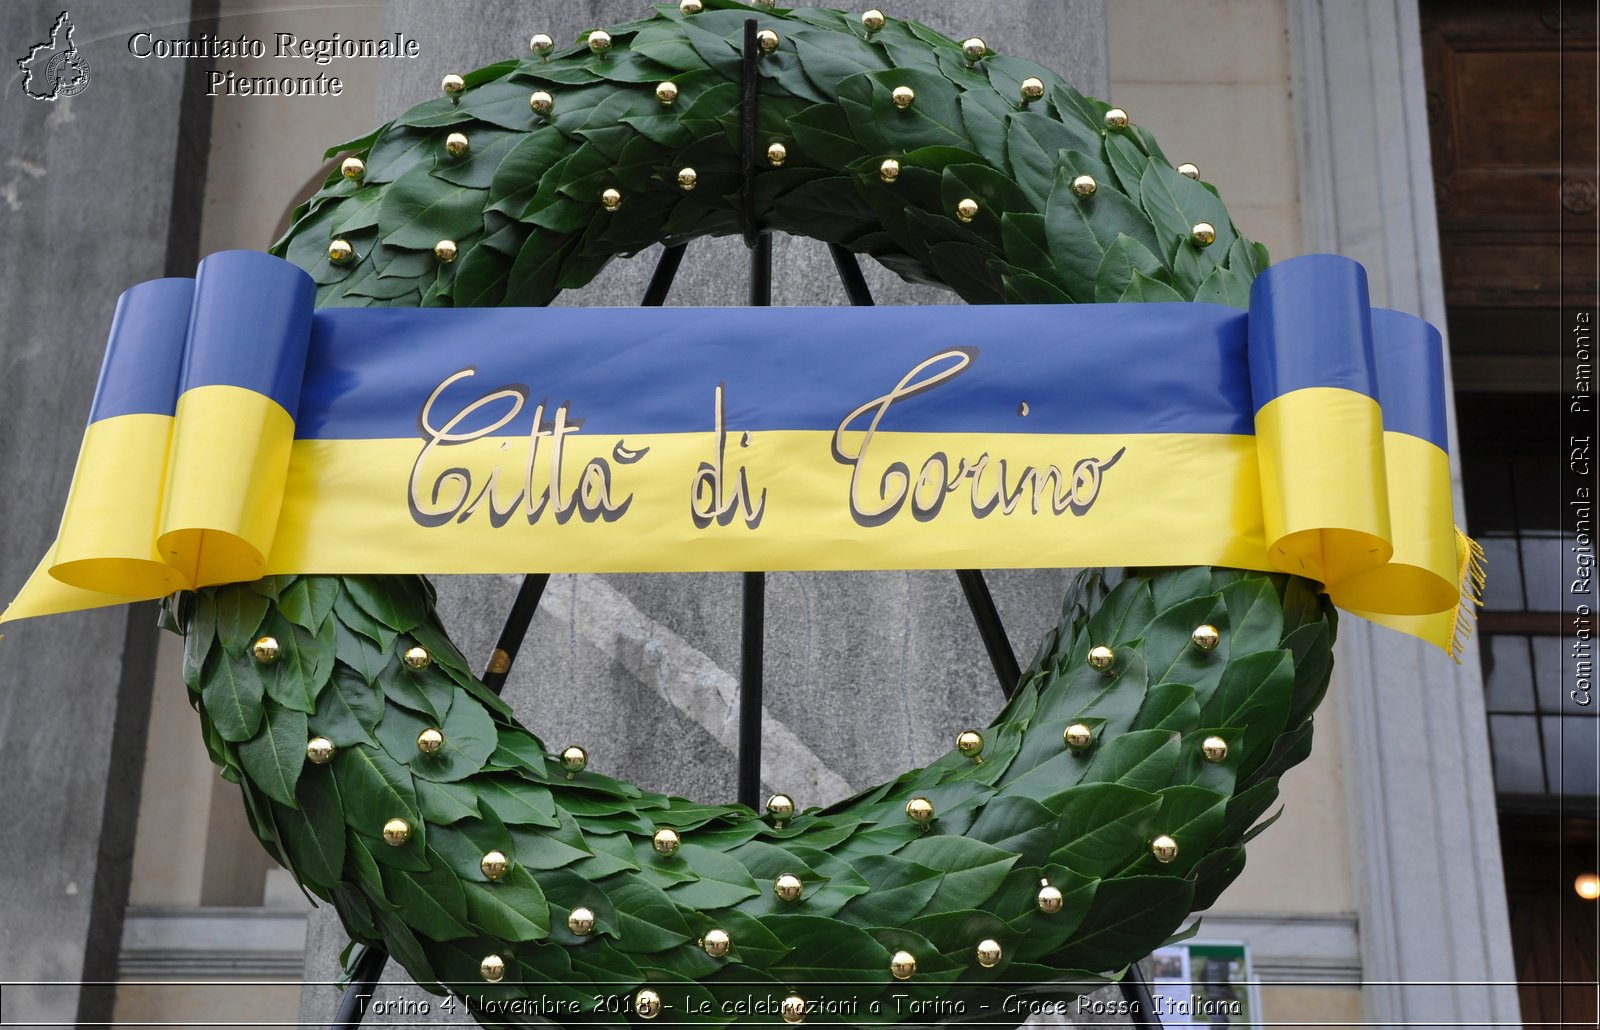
(492,968)
(1084,186)
(777,154)
(1189,170)
(611,199)
(574,759)
(320,750)
(967,210)
(666,841)
(599,41)
(340,252)
(1206,638)
(794,1009)
(780,807)
(788,887)
(581,921)
(903,965)
(494,864)
(667,92)
(1078,737)
(1164,848)
(541,102)
(417,658)
(353,168)
(1116,119)
(396,832)
(266,650)
(1214,750)
(453,86)
(1049,898)
(688,179)
(647,1004)
(1032,89)
(904,97)
(1102,657)
(445,251)
(717,943)
(1204,234)
(920,811)
(975,49)
(456,144)
(873,20)
(691,6)
(970,744)
(767,40)
(989,953)
(889,171)
(430,741)
(541,43)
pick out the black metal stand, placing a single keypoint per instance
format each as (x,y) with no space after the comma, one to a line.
(1141,1006)
(369,969)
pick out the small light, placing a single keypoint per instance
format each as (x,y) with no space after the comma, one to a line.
(1588,886)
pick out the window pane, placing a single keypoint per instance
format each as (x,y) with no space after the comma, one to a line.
(1541,572)
(1547,674)
(1518,766)
(1503,590)
(1507,674)
(1570,754)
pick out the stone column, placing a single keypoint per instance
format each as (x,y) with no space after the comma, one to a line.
(97,192)
(1435,938)
(867,675)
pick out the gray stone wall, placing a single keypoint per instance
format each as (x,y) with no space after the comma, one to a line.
(867,675)
(86,209)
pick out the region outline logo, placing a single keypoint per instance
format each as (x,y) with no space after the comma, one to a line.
(55,68)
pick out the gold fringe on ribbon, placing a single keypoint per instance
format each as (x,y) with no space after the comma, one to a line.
(1471,577)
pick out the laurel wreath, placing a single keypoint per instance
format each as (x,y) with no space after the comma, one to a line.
(1098,810)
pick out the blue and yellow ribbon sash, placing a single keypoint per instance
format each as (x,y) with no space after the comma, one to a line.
(237,432)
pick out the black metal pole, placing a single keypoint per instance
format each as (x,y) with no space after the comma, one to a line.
(1142,1007)
(666,272)
(515,630)
(754,602)
(973,585)
(855,284)
(995,641)
(358,994)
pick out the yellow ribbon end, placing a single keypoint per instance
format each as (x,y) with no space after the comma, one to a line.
(1471,577)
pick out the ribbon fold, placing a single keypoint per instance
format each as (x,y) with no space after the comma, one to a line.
(236,432)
